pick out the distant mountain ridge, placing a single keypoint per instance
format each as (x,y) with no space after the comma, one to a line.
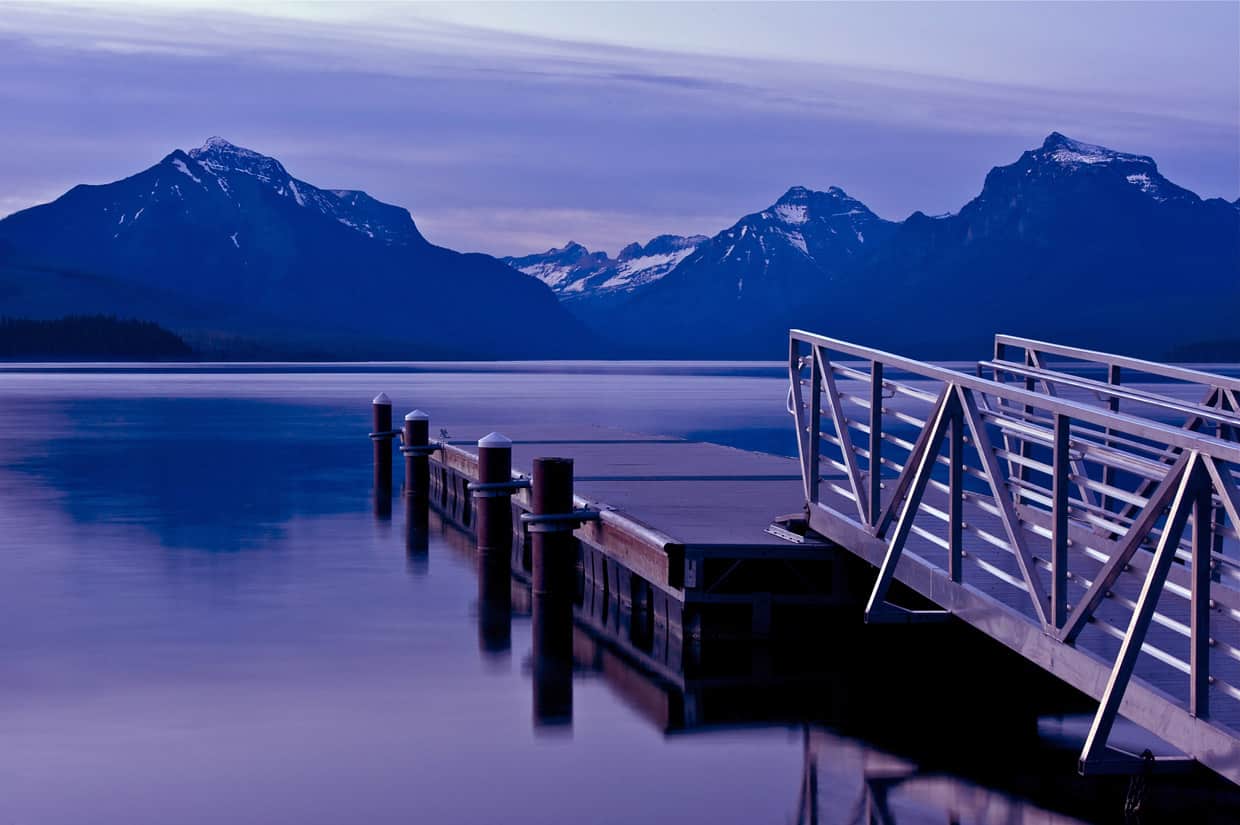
(222,241)
(572,271)
(1073,240)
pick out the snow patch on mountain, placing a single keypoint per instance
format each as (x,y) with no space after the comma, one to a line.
(180,164)
(1065,150)
(573,271)
(791,213)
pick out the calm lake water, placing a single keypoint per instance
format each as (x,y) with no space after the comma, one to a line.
(203,621)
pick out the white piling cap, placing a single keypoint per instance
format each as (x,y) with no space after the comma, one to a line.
(382,398)
(417,415)
(495,440)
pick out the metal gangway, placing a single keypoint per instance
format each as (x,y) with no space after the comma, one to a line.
(1079,507)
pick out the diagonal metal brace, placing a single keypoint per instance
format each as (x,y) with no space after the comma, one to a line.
(1095,750)
(878,610)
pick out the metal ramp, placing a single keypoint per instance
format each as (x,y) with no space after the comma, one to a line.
(1087,523)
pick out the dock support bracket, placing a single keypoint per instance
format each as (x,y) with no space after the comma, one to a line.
(888,613)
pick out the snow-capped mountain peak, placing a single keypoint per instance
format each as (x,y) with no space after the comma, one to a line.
(230,171)
(219,155)
(1062,160)
(573,271)
(1068,152)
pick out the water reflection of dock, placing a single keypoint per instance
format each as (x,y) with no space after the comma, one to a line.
(871,752)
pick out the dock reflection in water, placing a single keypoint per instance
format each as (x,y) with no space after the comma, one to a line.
(833,696)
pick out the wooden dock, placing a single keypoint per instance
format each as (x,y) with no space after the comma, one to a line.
(681,532)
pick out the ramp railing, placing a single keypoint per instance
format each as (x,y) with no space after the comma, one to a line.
(1096,543)
(1195,399)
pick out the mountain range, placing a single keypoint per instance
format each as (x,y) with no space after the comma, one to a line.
(1073,241)
(220,244)
(575,272)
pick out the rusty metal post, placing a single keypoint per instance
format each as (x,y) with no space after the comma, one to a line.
(554,587)
(381,434)
(416,438)
(493,532)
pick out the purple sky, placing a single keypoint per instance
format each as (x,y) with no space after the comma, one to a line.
(510,128)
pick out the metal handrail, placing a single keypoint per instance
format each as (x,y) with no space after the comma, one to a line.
(1193,376)
(1173,436)
(1117,391)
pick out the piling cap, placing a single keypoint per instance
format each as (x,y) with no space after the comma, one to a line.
(495,440)
(417,415)
(382,398)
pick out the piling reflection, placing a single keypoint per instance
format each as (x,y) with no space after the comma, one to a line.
(552,637)
(494,611)
(382,500)
(417,536)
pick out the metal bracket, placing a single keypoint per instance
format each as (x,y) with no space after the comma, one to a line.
(888,613)
(497,489)
(420,449)
(1118,762)
(385,434)
(557,522)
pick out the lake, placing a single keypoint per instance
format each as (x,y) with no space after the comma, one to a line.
(205,622)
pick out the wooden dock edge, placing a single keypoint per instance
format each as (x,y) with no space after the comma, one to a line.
(684,579)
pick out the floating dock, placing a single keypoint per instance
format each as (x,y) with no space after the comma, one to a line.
(681,530)
(1079,507)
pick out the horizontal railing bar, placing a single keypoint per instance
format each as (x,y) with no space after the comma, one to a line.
(1116,391)
(1147,648)
(906,418)
(1085,512)
(1208,379)
(930,537)
(1227,650)
(1179,628)
(859,426)
(1125,423)
(850,372)
(1226,689)
(894,386)
(902,443)
(999,574)
(1095,443)
(844,491)
(863,403)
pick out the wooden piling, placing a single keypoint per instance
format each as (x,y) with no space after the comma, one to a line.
(554,548)
(554,585)
(381,436)
(416,439)
(493,533)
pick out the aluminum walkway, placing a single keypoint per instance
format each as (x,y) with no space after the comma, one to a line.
(1079,507)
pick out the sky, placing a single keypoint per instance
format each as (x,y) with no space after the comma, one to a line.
(510,128)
